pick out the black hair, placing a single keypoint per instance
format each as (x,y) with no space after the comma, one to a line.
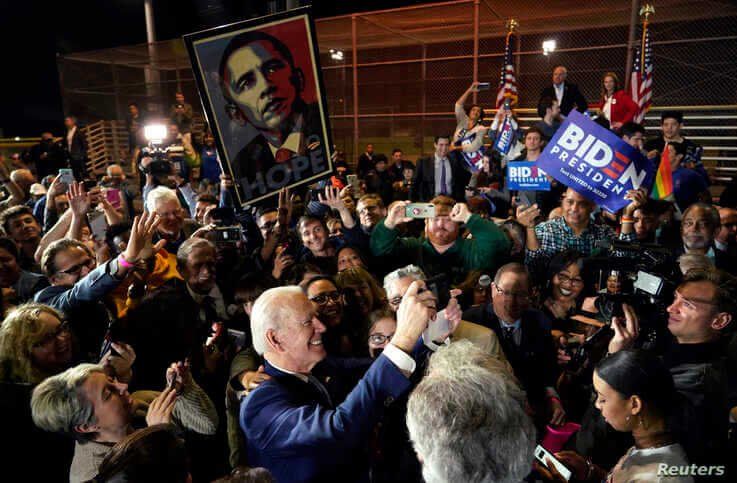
(396,150)
(545,104)
(207,198)
(264,210)
(629,129)
(9,246)
(247,38)
(677,115)
(317,278)
(442,136)
(115,230)
(481,111)
(603,122)
(13,212)
(679,147)
(637,372)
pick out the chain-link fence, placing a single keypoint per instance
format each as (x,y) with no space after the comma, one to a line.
(411,64)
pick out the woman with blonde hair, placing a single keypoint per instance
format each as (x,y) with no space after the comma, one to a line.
(616,105)
(35,342)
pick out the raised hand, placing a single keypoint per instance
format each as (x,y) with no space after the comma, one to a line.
(79,199)
(527,215)
(178,376)
(332,198)
(637,198)
(417,308)
(396,215)
(625,332)
(121,363)
(143,229)
(460,213)
(160,409)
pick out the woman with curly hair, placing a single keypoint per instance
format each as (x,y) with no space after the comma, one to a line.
(362,295)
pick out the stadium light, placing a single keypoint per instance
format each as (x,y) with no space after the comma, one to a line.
(155,133)
(548,46)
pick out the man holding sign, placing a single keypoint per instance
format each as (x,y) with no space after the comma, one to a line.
(598,168)
(596,162)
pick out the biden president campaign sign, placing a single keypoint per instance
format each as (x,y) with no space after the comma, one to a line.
(525,175)
(595,162)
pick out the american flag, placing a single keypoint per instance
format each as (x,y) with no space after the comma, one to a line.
(642,74)
(507,82)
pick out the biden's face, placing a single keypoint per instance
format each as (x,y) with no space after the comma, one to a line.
(259,80)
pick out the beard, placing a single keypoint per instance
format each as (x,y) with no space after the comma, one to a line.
(442,237)
(695,242)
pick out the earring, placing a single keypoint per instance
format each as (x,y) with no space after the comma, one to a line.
(627,419)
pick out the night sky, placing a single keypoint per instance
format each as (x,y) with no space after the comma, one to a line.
(33,32)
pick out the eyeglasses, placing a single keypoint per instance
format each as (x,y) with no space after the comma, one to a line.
(518,295)
(75,269)
(63,329)
(324,298)
(567,279)
(380,339)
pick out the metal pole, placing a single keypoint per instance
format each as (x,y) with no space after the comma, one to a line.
(634,22)
(355,85)
(475,45)
(150,72)
(148,8)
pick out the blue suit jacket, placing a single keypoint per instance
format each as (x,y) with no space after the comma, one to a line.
(82,305)
(299,435)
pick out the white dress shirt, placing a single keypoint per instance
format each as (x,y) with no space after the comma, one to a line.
(559,89)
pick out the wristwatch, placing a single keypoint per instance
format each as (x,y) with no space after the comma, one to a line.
(113,268)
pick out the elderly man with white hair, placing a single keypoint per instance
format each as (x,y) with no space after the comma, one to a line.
(174,228)
(467,419)
(396,284)
(295,423)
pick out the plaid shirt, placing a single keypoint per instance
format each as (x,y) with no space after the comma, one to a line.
(556,236)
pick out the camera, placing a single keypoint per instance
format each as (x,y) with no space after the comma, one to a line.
(646,282)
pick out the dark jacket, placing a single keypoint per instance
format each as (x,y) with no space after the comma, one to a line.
(423,186)
(534,360)
(82,305)
(301,434)
(571,97)
(252,163)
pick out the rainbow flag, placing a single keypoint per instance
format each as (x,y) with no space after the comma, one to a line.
(663,186)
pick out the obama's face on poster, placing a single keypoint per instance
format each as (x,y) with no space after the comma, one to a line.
(262,84)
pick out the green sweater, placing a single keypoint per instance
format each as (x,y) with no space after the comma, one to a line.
(487,250)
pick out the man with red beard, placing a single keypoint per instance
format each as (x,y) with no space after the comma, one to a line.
(442,253)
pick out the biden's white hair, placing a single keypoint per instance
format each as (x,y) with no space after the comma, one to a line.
(270,309)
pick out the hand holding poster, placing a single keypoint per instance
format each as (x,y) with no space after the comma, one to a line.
(595,162)
(260,85)
(525,175)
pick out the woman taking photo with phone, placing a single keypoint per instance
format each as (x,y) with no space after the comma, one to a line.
(634,392)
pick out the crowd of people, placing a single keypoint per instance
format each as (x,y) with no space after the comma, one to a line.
(154,332)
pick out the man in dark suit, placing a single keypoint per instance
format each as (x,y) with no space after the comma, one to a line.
(439,175)
(525,337)
(262,87)
(567,94)
(366,162)
(75,143)
(298,428)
